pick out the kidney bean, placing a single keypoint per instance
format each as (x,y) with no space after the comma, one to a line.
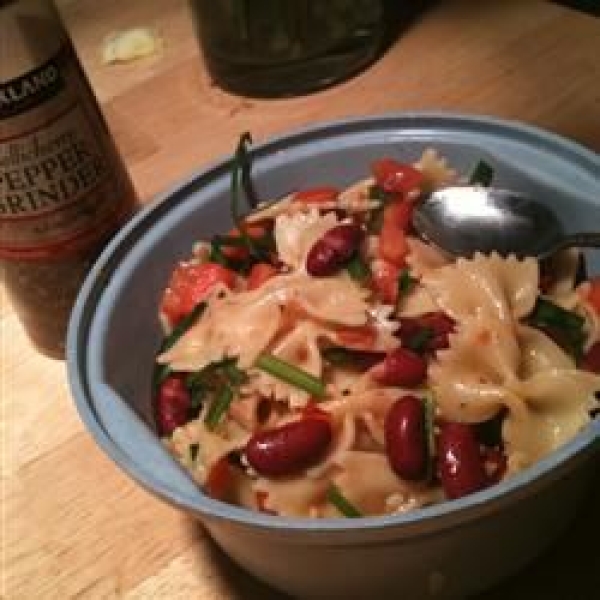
(329,253)
(401,367)
(439,324)
(460,462)
(591,359)
(290,448)
(406,438)
(172,405)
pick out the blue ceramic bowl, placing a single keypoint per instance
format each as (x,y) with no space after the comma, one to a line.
(114,333)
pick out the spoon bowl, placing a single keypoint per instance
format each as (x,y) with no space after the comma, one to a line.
(463,220)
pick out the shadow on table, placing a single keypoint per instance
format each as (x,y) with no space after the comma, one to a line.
(240,584)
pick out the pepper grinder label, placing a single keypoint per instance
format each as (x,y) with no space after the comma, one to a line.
(59,184)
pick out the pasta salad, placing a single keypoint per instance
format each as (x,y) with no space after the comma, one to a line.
(320,360)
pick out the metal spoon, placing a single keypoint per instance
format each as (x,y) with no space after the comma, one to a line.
(463,220)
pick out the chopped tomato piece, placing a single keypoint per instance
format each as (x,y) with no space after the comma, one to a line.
(220,479)
(593,295)
(438,324)
(317,195)
(261,502)
(362,337)
(392,238)
(260,273)
(253,230)
(385,281)
(396,177)
(190,284)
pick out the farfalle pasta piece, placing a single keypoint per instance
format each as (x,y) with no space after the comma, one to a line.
(233,325)
(540,353)
(271,210)
(485,286)
(423,258)
(296,497)
(296,234)
(471,379)
(210,445)
(382,491)
(357,197)
(559,402)
(435,169)
(335,299)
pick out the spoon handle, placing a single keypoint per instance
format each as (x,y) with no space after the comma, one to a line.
(581,240)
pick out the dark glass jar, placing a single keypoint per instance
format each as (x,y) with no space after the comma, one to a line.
(274,48)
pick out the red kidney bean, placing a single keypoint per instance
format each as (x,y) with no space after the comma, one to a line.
(290,448)
(329,253)
(591,359)
(172,405)
(406,438)
(460,462)
(401,367)
(438,323)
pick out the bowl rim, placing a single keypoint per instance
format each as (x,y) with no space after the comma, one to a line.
(415,521)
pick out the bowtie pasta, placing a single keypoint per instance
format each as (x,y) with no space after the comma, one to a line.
(320,360)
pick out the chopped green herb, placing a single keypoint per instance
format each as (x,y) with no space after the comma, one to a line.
(291,374)
(229,240)
(240,178)
(197,397)
(339,356)
(564,326)
(219,407)
(194,449)
(406,282)
(236,376)
(161,372)
(375,220)
(482,174)
(358,269)
(378,193)
(216,254)
(208,384)
(429,411)
(419,342)
(245,160)
(335,496)
(182,326)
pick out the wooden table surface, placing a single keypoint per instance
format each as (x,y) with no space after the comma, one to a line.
(74,526)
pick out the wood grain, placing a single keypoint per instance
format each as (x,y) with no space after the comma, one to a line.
(73,526)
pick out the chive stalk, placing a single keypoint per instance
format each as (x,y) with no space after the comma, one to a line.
(219,407)
(161,372)
(358,269)
(346,508)
(406,282)
(291,374)
(429,419)
(564,326)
